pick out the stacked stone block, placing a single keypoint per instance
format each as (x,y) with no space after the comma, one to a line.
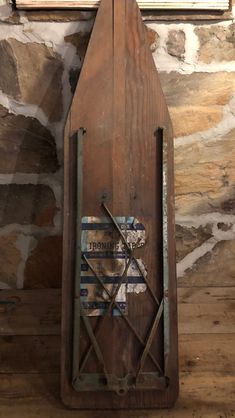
(41,54)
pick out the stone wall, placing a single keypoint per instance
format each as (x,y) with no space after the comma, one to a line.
(41,54)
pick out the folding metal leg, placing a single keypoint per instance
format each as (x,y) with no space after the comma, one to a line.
(139,379)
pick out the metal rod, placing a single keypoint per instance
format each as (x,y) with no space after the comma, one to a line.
(93,339)
(78,137)
(122,314)
(165,256)
(101,322)
(129,249)
(150,338)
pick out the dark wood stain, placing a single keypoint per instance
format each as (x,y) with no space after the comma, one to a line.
(119,101)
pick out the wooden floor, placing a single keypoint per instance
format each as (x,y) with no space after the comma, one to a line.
(30,351)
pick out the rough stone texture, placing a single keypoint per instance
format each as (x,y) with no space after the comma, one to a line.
(80,41)
(196,100)
(227,149)
(224,226)
(217,43)
(191,119)
(58,15)
(25,145)
(9,260)
(187,239)
(176,43)
(44,266)
(153,39)
(13,19)
(198,89)
(216,268)
(9,82)
(26,204)
(204,176)
(32,73)
(7,15)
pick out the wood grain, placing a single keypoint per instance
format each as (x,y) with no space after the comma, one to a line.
(41,354)
(30,354)
(30,312)
(210,353)
(186,15)
(143,4)
(121,161)
(206,295)
(201,395)
(38,312)
(29,369)
(202,318)
(184,409)
(212,280)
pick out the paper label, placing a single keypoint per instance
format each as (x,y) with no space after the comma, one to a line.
(105,251)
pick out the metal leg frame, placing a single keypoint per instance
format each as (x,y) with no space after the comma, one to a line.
(140,379)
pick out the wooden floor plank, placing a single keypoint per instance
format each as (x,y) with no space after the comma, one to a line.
(212,353)
(206,295)
(30,354)
(211,280)
(30,312)
(29,365)
(36,386)
(32,409)
(33,395)
(217,318)
(41,354)
(37,312)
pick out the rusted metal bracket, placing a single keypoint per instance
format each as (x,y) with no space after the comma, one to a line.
(165,251)
(150,339)
(123,315)
(78,138)
(98,382)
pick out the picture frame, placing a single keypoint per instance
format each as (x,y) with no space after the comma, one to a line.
(157,5)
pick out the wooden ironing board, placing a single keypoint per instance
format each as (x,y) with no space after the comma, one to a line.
(119,313)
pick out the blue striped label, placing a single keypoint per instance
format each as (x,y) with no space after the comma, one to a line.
(112,280)
(102,245)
